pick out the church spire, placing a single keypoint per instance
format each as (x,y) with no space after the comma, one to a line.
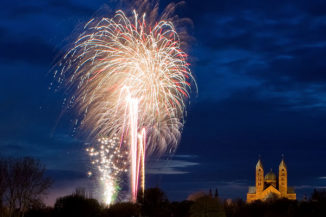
(282,164)
(259,176)
(259,163)
(283,178)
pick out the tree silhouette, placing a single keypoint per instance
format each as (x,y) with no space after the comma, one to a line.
(3,183)
(154,203)
(122,210)
(207,206)
(23,186)
(181,209)
(318,195)
(76,206)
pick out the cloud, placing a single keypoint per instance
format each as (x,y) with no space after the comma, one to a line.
(71,7)
(309,187)
(25,10)
(54,7)
(28,49)
(172,166)
(187,156)
(264,48)
(260,72)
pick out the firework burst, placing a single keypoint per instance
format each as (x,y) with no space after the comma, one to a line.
(130,80)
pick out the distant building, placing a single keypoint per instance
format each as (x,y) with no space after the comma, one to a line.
(268,186)
(195,196)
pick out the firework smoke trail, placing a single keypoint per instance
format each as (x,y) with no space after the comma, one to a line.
(127,77)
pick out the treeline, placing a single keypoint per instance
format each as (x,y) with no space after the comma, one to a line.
(23,184)
(154,203)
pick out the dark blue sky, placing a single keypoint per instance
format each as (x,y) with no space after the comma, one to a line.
(261,73)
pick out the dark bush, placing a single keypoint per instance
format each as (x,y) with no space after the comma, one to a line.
(76,206)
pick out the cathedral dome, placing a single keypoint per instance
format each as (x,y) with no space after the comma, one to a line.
(270,176)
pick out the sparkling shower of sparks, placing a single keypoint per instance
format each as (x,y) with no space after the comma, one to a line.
(130,82)
(111,162)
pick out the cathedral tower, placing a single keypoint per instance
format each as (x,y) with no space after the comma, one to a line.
(259,177)
(283,178)
(270,186)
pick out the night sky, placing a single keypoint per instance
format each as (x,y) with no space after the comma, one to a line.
(261,73)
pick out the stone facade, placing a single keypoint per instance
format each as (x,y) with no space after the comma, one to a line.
(268,186)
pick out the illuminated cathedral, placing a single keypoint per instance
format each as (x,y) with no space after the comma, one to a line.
(269,186)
